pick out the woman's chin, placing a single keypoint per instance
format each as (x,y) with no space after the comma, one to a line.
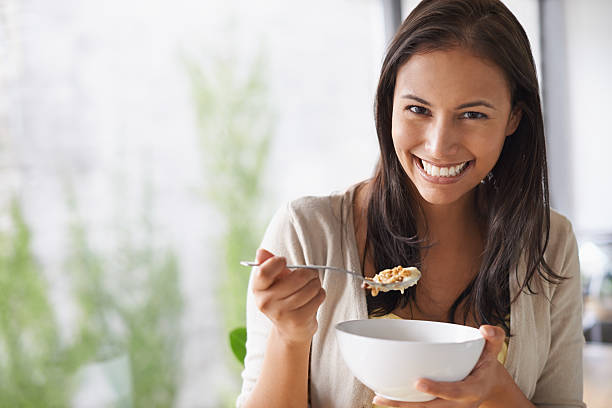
(441,198)
(438,200)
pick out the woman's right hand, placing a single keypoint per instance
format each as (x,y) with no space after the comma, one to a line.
(290,299)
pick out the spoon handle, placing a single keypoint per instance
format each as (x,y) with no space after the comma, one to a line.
(320,267)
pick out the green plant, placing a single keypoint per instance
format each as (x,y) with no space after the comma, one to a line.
(152,326)
(237,339)
(131,304)
(33,369)
(235,130)
(236,126)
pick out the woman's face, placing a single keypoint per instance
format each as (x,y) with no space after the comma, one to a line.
(451,115)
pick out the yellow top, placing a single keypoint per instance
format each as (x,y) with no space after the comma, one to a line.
(501,357)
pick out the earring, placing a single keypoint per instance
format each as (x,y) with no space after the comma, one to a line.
(487,178)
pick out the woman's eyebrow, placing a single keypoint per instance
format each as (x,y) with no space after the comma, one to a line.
(479,102)
(416,98)
(476,103)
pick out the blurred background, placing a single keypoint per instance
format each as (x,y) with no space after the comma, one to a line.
(144,145)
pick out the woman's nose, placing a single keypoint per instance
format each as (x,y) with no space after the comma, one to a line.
(442,139)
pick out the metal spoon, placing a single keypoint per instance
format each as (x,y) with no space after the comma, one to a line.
(401,285)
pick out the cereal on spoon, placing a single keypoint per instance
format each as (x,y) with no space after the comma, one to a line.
(397,274)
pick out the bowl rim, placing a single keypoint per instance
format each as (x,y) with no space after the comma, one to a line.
(477,335)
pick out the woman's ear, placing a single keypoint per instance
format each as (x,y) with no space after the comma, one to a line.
(514,120)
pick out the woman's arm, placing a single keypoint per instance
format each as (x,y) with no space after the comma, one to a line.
(290,300)
(283,381)
(560,383)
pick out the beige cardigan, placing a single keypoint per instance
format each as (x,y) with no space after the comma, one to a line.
(544,355)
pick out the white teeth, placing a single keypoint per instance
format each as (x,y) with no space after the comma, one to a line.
(436,171)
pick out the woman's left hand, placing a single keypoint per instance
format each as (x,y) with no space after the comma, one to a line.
(486,383)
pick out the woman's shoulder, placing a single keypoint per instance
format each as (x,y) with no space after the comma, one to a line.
(319,208)
(319,214)
(560,225)
(306,227)
(561,236)
(562,247)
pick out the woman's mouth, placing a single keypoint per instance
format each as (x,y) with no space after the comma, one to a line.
(442,173)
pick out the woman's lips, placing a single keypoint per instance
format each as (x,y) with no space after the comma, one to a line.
(442,174)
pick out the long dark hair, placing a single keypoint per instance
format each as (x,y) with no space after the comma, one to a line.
(514,198)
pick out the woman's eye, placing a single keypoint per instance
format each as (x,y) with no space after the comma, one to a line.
(473,115)
(418,110)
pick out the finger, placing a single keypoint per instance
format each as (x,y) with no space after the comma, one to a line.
(309,309)
(302,296)
(294,282)
(436,403)
(267,273)
(453,391)
(378,400)
(262,255)
(494,339)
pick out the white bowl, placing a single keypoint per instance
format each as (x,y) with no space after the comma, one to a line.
(389,355)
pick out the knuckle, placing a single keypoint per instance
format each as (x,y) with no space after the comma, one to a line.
(261,305)
(262,274)
(278,263)
(279,313)
(272,266)
(311,307)
(305,277)
(273,314)
(263,302)
(453,392)
(322,294)
(314,286)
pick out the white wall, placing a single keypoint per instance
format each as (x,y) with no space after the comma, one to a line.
(98,93)
(589,105)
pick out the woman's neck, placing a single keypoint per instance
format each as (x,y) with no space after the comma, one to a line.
(447,223)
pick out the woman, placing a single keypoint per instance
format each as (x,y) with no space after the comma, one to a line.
(461,192)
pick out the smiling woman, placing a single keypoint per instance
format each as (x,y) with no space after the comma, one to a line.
(449,137)
(461,192)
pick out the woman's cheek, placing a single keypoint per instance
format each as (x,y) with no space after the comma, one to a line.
(404,136)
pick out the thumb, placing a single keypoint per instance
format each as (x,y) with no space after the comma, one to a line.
(494,339)
(262,255)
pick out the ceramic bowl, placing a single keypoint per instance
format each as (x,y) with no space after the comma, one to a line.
(389,355)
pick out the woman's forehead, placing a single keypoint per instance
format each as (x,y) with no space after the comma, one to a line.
(448,75)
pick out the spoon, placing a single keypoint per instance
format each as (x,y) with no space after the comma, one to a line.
(400,285)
